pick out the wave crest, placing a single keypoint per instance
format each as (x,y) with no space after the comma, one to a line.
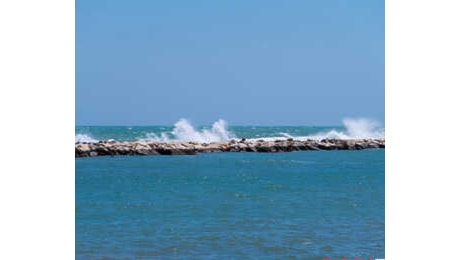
(363,128)
(355,128)
(83,138)
(184,131)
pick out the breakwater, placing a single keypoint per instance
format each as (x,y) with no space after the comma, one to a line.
(111,148)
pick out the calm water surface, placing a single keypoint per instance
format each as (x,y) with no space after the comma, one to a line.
(307,205)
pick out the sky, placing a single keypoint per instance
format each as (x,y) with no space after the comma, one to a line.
(247,62)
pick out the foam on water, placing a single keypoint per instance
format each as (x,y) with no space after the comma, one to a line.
(363,128)
(184,131)
(354,128)
(360,128)
(83,138)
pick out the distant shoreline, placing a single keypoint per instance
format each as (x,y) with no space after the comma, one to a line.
(113,148)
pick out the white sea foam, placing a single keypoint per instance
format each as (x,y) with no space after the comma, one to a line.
(286,135)
(83,138)
(184,131)
(154,137)
(360,128)
(363,128)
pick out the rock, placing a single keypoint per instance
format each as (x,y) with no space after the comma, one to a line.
(373,145)
(123,150)
(142,149)
(112,147)
(83,148)
(250,148)
(312,147)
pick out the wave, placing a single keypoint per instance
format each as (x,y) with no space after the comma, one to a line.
(83,138)
(184,131)
(355,128)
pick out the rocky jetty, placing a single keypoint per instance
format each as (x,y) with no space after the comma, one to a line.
(105,148)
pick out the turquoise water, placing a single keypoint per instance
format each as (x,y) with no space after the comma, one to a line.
(304,205)
(133,133)
(220,131)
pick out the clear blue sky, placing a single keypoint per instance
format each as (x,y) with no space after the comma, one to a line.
(249,62)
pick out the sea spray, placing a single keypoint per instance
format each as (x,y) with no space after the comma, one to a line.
(355,128)
(154,137)
(184,131)
(363,128)
(360,128)
(219,131)
(84,138)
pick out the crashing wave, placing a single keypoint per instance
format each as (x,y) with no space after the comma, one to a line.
(83,138)
(184,131)
(360,128)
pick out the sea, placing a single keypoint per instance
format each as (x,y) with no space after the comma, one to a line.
(292,205)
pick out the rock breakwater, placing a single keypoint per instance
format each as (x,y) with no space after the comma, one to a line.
(106,148)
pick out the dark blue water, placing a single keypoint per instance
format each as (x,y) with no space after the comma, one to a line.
(305,205)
